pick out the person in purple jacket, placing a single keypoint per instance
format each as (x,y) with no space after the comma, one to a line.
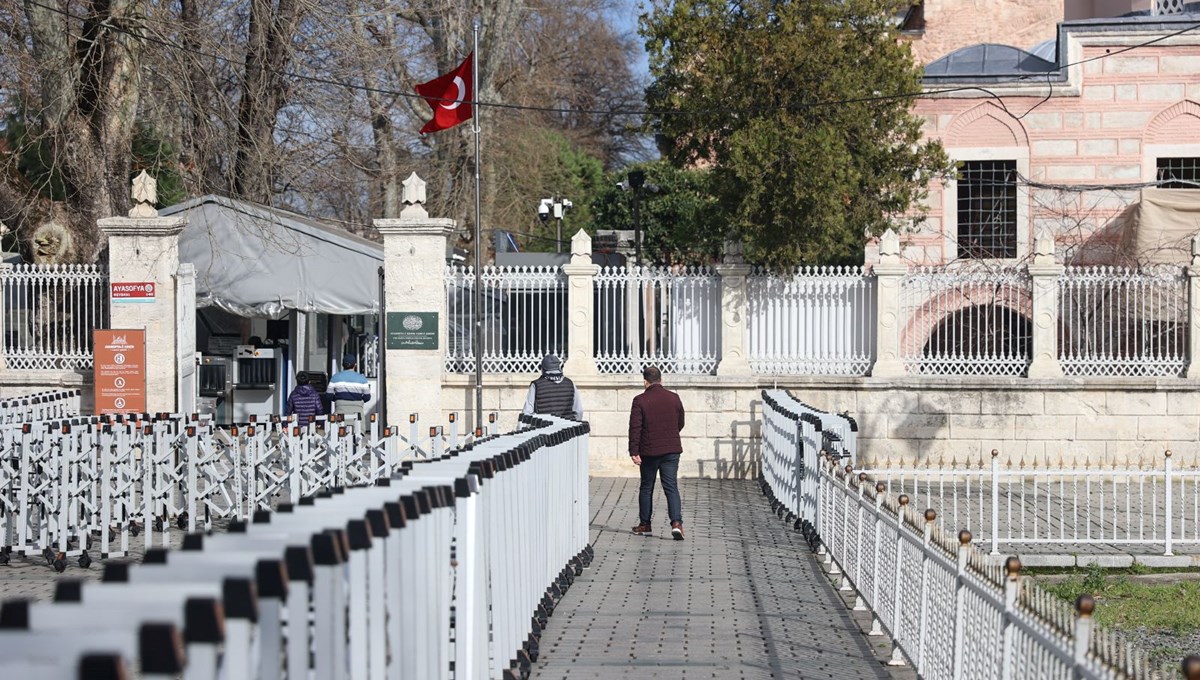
(304,401)
(655,422)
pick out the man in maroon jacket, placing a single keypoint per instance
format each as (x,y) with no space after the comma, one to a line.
(655,422)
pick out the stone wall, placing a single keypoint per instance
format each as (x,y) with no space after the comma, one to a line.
(954,24)
(906,421)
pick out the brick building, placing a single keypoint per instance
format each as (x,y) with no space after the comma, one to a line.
(1066,135)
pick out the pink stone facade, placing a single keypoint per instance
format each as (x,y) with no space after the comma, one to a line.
(953,24)
(1107,125)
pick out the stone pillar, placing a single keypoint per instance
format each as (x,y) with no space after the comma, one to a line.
(1193,272)
(414,280)
(888,273)
(1045,272)
(581,273)
(145,248)
(734,308)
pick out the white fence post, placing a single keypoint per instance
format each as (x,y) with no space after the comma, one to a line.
(1170,501)
(922,638)
(960,602)
(1193,273)
(734,310)
(995,502)
(1013,567)
(1045,272)
(897,658)
(5,273)
(1084,606)
(580,273)
(888,274)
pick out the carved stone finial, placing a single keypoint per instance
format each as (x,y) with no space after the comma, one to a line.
(889,247)
(1196,250)
(734,251)
(413,196)
(581,248)
(1043,247)
(144,193)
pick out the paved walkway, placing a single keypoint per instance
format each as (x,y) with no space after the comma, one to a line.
(742,597)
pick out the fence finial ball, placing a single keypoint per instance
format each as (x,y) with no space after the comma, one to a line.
(879,487)
(903,499)
(1085,604)
(862,476)
(1013,566)
(930,515)
(1191,667)
(1167,453)
(964,537)
(995,453)
(849,469)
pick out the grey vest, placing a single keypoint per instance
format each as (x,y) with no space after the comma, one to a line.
(556,399)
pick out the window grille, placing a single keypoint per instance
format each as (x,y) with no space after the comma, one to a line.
(1179,173)
(1160,7)
(987,209)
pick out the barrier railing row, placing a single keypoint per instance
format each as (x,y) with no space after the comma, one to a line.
(950,613)
(40,406)
(1038,503)
(73,486)
(446,568)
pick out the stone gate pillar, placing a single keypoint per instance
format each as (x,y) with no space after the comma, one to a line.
(144,248)
(414,295)
(734,308)
(888,317)
(1045,272)
(1193,272)
(581,275)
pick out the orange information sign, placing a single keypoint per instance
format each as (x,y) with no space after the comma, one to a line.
(120,370)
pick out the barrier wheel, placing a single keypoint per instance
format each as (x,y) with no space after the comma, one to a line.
(49,554)
(134,530)
(182,521)
(85,561)
(4,559)
(60,565)
(158,524)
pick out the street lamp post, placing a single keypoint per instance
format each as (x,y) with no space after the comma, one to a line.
(636,183)
(556,208)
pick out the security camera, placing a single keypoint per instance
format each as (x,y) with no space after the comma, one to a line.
(544,209)
(567,204)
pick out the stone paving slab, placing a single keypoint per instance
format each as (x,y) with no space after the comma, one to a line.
(742,597)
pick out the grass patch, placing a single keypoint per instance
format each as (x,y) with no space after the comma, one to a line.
(1129,604)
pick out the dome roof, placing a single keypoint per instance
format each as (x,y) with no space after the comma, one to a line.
(989,59)
(1047,49)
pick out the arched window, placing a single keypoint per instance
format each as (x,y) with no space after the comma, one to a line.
(994,339)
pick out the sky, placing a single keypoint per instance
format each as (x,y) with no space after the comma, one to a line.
(624,17)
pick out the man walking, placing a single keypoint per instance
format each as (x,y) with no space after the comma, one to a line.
(349,390)
(553,393)
(655,422)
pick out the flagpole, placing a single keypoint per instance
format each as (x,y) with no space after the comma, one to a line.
(478,235)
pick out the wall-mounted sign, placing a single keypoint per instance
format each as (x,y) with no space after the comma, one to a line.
(119,358)
(412,330)
(133,291)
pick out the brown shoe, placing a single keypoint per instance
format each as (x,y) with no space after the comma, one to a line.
(677,530)
(642,529)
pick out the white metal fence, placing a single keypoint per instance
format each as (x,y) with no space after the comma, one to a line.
(447,569)
(949,613)
(524,312)
(1123,322)
(819,321)
(665,317)
(1009,503)
(48,314)
(966,320)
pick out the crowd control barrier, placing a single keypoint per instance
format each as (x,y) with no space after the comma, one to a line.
(86,487)
(950,611)
(446,568)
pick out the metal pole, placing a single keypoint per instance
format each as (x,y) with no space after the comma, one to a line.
(381,344)
(637,226)
(478,235)
(558,238)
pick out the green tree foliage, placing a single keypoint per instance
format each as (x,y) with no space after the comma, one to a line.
(788,102)
(681,223)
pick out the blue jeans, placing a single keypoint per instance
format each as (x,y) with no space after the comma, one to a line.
(668,467)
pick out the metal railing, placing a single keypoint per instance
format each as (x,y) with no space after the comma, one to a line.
(1058,505)
(448,568)
(524,312)
(820,321)
(40,406)
(966,320)
(82,486)
(950,613)
(660,316)
(1123,322)
(48,313)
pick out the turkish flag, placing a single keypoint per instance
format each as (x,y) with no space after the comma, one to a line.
(448,96)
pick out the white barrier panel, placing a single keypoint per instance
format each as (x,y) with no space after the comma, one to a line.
(950,613)
(448,569)
(69,485)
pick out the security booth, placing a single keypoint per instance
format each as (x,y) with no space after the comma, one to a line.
(277,293)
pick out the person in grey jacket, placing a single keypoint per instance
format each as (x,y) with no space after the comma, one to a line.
(553,393)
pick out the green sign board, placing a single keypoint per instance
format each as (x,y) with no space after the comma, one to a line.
(412,330)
